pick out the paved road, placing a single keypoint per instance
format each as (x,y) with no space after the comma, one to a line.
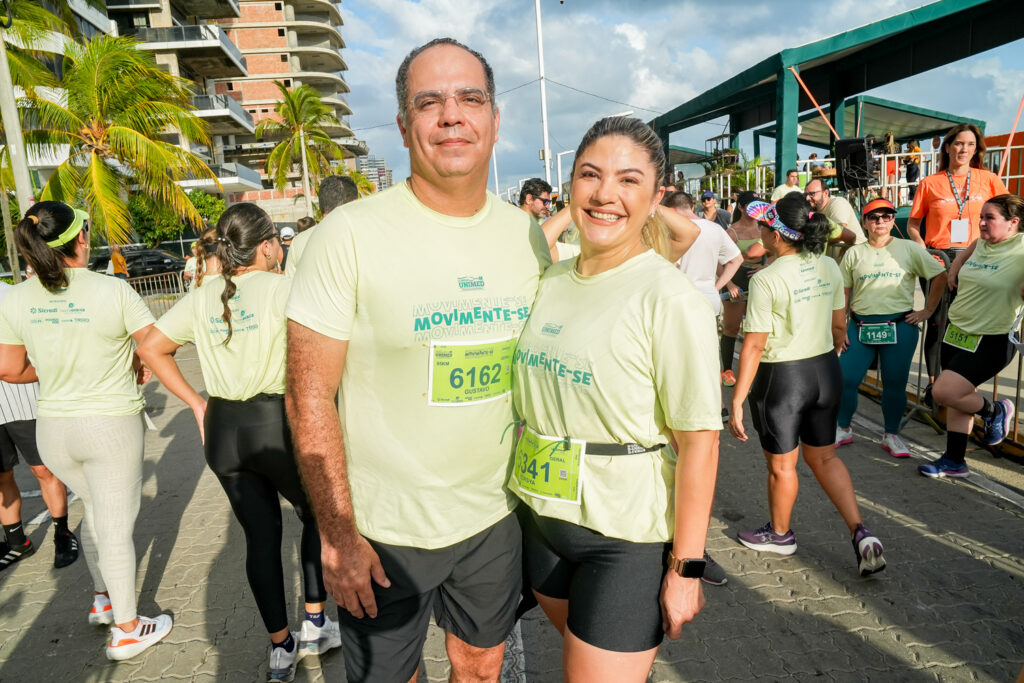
(950,606)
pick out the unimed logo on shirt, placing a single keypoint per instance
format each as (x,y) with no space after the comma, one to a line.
(550,329)
(471,282)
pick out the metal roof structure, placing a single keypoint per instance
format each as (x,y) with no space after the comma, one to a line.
(685,155)
(866,116)
(847,64)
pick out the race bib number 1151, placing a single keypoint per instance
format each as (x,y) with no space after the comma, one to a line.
(463,373)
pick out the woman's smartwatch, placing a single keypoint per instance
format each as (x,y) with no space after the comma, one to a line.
(688,569)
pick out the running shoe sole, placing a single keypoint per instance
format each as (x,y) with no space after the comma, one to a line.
(958,474)
(770,547)
(870,552)
(104,618)
(844,442)
(895,455)
(1007,419)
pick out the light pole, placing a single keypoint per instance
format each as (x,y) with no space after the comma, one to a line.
(494,158)
(543,96)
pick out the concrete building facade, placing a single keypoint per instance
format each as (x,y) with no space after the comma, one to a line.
(376,170)
(296,42)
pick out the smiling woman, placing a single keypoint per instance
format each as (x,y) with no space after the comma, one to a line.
(608,322)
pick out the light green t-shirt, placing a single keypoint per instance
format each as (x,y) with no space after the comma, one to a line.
(621,357)
(842,212)
(567,251)
(883,280)
(253,361)
(431,306)
(299,243)
(792,300)
(988,295)
(782,190)
(79,341)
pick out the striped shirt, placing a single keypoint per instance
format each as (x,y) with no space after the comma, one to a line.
(17,401)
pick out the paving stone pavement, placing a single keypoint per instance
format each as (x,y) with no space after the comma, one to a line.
(949,607)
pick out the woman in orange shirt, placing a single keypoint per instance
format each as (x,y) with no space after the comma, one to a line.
(950,200)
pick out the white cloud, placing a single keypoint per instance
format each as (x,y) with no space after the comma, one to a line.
(648,55)
(634,35)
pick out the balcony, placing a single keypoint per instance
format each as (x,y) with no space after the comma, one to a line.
(201,9)
(224,114)
(204,49)
(233,177)
(358,148)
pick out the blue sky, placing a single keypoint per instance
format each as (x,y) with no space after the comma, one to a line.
(651,55)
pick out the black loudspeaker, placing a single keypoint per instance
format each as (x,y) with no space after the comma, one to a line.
(855,168)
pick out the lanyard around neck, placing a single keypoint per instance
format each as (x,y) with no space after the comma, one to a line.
(960,202)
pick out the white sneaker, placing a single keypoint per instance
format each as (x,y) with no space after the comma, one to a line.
(282,664)
(316,640)
(149,632)
(101,614)
(843,436)
(894,444)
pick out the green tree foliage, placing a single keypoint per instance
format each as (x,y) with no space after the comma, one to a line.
(302,119)
(115,106)
(363,184)
(154,223)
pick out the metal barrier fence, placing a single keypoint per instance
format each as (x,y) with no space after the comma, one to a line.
(895,186)
(160,292)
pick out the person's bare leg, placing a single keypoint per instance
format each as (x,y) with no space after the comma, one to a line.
(585,663)
(10,499)
(473,664)
(55,494)
(834,478)
(783,485)
(956,392)
(557,610)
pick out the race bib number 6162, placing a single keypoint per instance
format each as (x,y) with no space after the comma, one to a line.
(463,373)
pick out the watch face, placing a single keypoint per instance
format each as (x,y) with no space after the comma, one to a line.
(693,569)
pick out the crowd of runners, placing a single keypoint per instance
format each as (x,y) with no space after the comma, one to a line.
(470,420)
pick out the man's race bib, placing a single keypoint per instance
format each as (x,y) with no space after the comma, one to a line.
(548,467)
(960,339)
(464,373)
(877,333)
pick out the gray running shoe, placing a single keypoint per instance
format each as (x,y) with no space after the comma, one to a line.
(767,539)
(282,664)
(713,572)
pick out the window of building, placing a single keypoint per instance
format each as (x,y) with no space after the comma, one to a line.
(284,58)
(287,82)
(231,86)
(280,33)
(278,6)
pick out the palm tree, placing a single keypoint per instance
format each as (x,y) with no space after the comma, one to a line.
(114,106)
(363,184)
(303,117)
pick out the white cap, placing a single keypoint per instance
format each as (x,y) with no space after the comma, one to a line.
(287,233)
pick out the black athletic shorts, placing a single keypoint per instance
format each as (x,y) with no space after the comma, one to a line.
(613,586)
(796,401)
(742,278)
(15,437)
(472,588)
(994,353)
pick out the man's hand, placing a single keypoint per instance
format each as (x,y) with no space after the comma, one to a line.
(681,600)
(348,568)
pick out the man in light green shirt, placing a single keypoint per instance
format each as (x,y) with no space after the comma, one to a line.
(837,209)
(791,185)
(412,299)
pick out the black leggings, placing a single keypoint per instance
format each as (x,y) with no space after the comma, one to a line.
(249,448)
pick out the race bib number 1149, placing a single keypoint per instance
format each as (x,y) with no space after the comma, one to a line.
(463,373)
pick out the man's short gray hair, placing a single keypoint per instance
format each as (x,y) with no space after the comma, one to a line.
(402,79)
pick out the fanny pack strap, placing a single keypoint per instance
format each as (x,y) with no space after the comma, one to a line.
(898,319)
(591,448)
